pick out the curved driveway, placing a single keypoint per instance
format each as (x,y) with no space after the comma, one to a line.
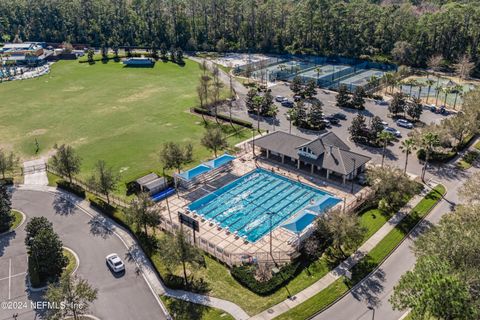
(125,297)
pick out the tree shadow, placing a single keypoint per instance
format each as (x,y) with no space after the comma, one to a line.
(36,296)
(5,241)
(134,254)
(447,172)
(370,288)
(64,204)
(183,310)
(100,226)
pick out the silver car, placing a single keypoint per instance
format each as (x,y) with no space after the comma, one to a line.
(393,131)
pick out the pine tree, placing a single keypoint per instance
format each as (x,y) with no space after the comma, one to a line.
(358,99)
(343,98)
(315,116)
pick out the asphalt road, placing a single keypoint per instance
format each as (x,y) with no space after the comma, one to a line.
(119,297)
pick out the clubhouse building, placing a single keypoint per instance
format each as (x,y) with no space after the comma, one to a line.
(326,155)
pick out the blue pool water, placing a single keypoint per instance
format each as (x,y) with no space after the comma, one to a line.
(220,161)
(194,172)
(244,204)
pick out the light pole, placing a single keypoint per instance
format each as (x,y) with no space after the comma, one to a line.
(353,173)
(373,311)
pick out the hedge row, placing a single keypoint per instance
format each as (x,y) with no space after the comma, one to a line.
(246,276)
(71,187)
(6,182)
(445,157)
(109,210)
(240,122)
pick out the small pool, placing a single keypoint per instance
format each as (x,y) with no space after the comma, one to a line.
(194,172)
(247,204)
(220,161)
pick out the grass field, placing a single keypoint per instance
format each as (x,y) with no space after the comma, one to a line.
(72,261)
(374,258)
(183,310)
(120,115)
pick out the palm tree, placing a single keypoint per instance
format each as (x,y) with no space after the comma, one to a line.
(429,141)
(429,83)
(408,145)
(385,138)
(458,90)
(438,89)
(446,90)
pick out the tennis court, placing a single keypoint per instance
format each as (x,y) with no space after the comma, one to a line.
(361,78)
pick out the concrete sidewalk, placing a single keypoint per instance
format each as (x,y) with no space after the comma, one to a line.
(143,263)
(342,268)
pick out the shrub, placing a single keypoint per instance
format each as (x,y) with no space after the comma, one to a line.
(246,276)
(6,181)
(471,156)
(436,156)
(33,275)
(109,210)
(71,187)
(240,122)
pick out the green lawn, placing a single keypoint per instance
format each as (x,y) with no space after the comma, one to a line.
(325,297)
(17,219)
(183,310)
(72,262)
(222,285)
(121,115)
(477,146)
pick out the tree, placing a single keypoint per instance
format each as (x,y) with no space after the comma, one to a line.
(343,98)
(8,162)
(296,86)
(90,54)
(429,83)
(175,156)
(398,103)
(65,161)
(67,47)
(376,126)
(34,226)
(315,115)
(72,292)
(299,114)
(430,290)
(267,103)
(250,100)
(342,231)
(402,52)
(357,127)
(458,90)
(178,250)
(464,66)
(310,89)
(469,190)
(104,180)
(201,94)
(429,141)
(391,187)
(385,138)
(214,139)
(407,146)
(45,254)
(358,99)
(457,127)
(179,56)
(414,109)
(143,213)
(163,52)
(217,87)
(6,218)
(444,282)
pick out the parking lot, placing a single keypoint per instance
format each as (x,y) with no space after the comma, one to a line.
(124,296)
(394,154)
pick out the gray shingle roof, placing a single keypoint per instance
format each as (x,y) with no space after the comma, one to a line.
(333,153)
(146,179)
(281,142)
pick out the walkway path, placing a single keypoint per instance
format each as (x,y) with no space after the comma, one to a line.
(35,172)
(148,271)
(346,265)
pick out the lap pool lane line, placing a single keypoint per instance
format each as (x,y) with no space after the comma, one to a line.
(153,282)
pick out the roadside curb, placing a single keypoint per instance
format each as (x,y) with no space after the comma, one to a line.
(24,218)
(77,258)
(385,258)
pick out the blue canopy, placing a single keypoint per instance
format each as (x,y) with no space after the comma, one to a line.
(300,222)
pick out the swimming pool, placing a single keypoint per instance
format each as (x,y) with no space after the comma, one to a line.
(194,172)
(244,205)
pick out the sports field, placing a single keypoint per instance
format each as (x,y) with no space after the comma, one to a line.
(120,115)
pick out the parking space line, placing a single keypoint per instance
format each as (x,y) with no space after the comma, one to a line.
(14,275)
(9,277)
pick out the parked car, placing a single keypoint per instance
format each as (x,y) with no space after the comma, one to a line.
(393,131)
(384,124)
(332,119)
(326,122)
(115,263)
(362,179)
(433,108)
(287,103)
(279,98)
(404,123)
(297,98)
(339,115)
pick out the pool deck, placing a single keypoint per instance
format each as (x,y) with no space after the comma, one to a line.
(230,248)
